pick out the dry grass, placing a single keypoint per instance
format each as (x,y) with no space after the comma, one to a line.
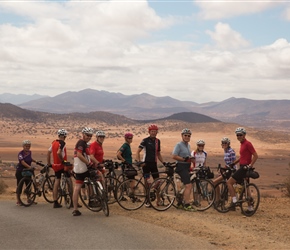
(3,187)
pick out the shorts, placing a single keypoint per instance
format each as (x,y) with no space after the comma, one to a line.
(81,177)
(184,173)
(240,174)
(151,168)
(58,174)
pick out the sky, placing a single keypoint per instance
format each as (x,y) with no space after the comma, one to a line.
(198,51)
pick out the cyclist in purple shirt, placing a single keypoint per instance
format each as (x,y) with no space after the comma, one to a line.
(24,162)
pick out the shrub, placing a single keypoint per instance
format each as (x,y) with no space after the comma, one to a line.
(287,186)
(3,187)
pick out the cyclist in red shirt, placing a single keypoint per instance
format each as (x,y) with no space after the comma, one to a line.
(248,157)
(97,152)
(59,155)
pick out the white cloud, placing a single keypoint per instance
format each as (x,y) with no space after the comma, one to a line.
(227,38)
(212,10)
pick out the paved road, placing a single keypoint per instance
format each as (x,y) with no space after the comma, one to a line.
(42,227)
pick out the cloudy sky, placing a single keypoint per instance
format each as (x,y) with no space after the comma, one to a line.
(190,50)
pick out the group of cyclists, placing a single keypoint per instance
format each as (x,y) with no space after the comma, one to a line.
(91,155)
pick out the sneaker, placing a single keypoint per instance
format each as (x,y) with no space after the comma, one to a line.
(179,206)
(147,204)
(232,206)
(160,203)
(189,208)
(123,199)
(18,203)
(57,205)
(92,204)
(76,213)
(248,212)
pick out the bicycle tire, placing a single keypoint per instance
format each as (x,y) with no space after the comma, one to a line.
(253,200)
(91,203)
(26,191)
(164,194)
(179,196)
(102,197)
(131,196)
(111,185)
(222,199)
(47,189)
(203,194)
(67,195)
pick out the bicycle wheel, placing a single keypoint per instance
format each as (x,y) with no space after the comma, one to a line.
(67,194)
(88,196)
(131,194)
(26,191)
(162,194)
(203,194)
(47,188)
(249,200)
(222,199)
(179,192)
(111,185)
(102,198)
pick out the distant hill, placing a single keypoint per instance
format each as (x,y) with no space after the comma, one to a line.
(265,114)
(11,111)
(18,98)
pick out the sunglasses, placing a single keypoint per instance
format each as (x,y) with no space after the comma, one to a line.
(130,138)
(224,143)
(201,145)
(88,135)
(239,134)
(187,136)
(102,137)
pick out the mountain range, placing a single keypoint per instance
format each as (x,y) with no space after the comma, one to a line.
(273,114)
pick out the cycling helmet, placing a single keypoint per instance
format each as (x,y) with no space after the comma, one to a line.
(87,130)
(152,127)
(240,131)
(62,132)
(226,140)
(186,131)
(200,142)
(128,135)
(100,133)
(26,142)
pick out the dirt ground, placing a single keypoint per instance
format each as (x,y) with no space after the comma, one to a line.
(268,229)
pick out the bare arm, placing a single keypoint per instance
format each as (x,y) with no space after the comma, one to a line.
(119,156)
(254,159)
(138,158)
(82,158)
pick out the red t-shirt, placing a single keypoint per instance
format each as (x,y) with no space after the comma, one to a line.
(246,152)
(97,151)
(55,146)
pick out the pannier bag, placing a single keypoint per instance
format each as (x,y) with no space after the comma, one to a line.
(205,173)
(130,171)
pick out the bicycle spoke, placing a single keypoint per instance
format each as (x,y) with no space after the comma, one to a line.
(250,200)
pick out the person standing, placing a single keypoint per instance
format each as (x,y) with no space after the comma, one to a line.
(152,153)
(248,157)
(199,154)
(24,163)
(97,152)
(58,152)
(81,164)
(181,153)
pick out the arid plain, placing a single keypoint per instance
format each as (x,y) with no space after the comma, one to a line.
(267,229)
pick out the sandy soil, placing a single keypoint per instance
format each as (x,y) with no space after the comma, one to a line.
(267,229)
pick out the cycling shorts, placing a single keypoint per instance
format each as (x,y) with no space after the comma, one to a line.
(151,168)
(81,177)
(240,174)
(184,173)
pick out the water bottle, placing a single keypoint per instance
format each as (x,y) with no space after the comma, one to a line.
(40,180)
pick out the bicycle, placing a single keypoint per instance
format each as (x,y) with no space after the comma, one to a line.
(97,194)
(170,189)
(65,190)
(132,193)
(111,181)
(32,185)
(248,195)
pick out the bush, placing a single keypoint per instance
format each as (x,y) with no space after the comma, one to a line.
(287,186)
(3,187)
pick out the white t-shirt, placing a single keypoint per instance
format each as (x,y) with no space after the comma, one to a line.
(200,158)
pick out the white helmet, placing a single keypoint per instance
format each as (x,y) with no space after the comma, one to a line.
(26,142)
(186,131)
(240,131)
(100,133)
(226,140)
(87,130)
(200,142)
(62,132)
